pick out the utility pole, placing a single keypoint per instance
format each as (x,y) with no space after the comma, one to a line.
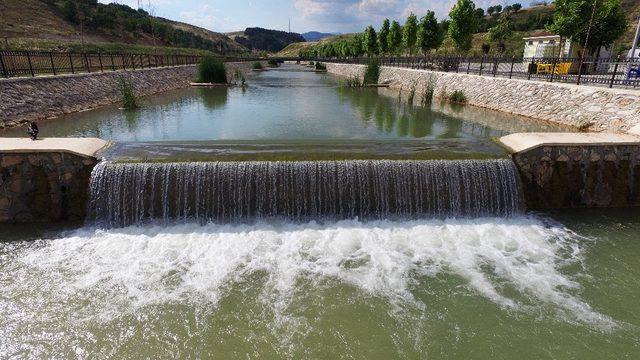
(636,38)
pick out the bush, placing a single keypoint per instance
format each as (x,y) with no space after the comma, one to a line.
(372,73)
(320,66)
(272,63)
(353,82)
(211,70)
(257,65)
(128,97)
(429,90)
(457,97)
(311,63)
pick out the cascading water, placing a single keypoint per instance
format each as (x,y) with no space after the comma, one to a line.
(133,193)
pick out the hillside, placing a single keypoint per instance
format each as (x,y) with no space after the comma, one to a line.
(48,24)
(295,48)
(259,39)
(317,36)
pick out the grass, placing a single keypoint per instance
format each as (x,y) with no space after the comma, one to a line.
(212,70)
(457,97)
(372,73)
(129,101)
(353,82)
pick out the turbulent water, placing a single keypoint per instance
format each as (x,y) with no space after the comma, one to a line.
(378,289)
(125,194)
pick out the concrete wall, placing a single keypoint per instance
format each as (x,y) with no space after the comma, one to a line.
(44,186)
(595,108)
(580,176)
(26,99)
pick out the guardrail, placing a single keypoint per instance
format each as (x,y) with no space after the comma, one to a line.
(28,63)
(603,71)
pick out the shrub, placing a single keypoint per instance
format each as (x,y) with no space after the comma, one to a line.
(457,97)
(372,73)
(128,97)
(311,63)
(212,70)
(353,82)
(429,90)
(257,65)
(320,66)
(272,63)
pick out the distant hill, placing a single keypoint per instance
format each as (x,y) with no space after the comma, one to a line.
(316,36)
(259,39)
(55,25)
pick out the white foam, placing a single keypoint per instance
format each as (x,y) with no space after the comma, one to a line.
(139,266)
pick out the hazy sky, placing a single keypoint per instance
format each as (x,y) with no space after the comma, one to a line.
(306,15)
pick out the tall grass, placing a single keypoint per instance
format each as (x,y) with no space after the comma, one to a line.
(128,97)
(429,90)
(458,97)
(372,73)
(212,70)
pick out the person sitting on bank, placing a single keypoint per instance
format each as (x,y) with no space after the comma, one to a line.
(33,131)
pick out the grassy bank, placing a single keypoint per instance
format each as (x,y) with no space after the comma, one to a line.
(24,44)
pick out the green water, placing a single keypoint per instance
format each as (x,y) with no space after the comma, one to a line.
(291,105)
(558,286)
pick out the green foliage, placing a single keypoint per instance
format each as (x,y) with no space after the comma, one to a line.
(516,7)
(257,65)
(430,35)
(494,10)
(128,97)
(272,63)
(501,31)
(372,72)
(464,23)
(409,33)
(69,11)
(571,20)
(429,90)
(353,82)
(371,41)
(212,70)
(395,37)
(383,36)
(320,66)
(457,97)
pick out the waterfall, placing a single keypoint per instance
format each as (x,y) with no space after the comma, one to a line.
(124,194)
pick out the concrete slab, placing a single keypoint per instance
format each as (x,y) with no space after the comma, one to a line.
(520,142)
(87,147)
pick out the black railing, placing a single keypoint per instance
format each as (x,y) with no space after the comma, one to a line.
(603,71)
(28,63)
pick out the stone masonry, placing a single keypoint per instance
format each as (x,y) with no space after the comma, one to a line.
(44,186)
(587,107)
(27,99)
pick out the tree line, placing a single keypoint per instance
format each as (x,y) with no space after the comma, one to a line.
(570,19)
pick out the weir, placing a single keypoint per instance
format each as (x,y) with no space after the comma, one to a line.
(124,194)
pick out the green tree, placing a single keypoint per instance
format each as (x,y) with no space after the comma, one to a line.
(501,31)
(516,7)
(464,23)
(371,41)
(571,20)
(395,37)
(69,11)
(410,33)
(383,36)
(429,33)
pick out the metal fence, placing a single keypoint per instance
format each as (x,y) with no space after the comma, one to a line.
(605,72)
(27,63)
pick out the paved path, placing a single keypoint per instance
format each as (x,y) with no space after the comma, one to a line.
(517,143)
(80,146)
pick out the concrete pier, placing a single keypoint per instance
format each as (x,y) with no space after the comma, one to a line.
(575,170)
(46,180)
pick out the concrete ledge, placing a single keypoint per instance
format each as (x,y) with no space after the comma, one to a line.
(85,147)
(522,142)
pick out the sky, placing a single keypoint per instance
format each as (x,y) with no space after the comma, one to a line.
(342,16)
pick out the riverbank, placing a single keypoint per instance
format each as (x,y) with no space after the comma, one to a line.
(583,107)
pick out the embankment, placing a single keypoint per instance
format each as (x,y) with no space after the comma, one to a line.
(28,99)
(586,107)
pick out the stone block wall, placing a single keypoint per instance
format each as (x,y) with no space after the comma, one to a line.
(589,107)
(556,177)
(42,186)
(27,99)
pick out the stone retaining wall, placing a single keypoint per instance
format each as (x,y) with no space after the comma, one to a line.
(27,99)
(587,107)
(557,176)
(41,186)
